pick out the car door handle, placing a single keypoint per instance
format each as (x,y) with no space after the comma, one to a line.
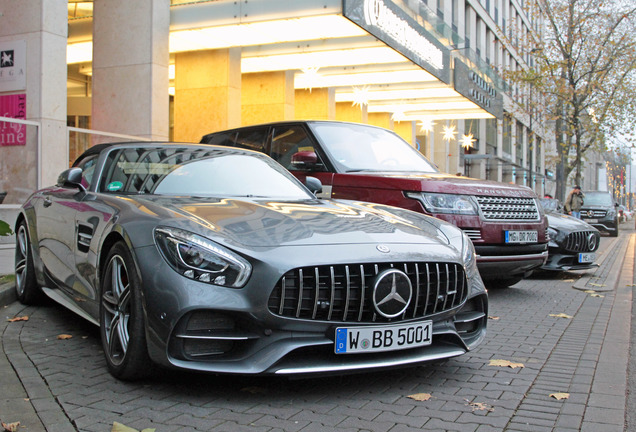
(47,202)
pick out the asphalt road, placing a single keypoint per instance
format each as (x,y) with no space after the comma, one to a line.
(567,353)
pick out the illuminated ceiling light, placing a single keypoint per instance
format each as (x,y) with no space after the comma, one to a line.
(313,78)
(441,115)
(365,78)
(320,59)
(81,52)
(426,124)
(320,27)
(386,95)
(264,33)
(398,116)
(361,96)
(467,141)
(449,133)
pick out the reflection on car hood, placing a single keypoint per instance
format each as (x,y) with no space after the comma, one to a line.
(435,182)
(564,222)
(266,223)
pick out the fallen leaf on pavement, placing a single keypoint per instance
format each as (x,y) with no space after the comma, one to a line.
(22,318)
(568,280)
(561,315)
(506,363)
(10,427)
(596,295)
(118,427)
(480,406)
(422,397)
(64,336)
(598,285)
(494,318)
(560,396)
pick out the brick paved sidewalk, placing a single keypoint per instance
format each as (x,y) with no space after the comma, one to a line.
(50,388)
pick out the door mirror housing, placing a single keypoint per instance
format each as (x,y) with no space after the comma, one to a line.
(304,160)
(71,177)
(313,184)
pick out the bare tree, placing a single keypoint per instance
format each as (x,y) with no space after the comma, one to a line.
(585,71)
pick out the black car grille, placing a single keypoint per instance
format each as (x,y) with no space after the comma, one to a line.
(343,293)
(581,241)
(508,208)
(594,213)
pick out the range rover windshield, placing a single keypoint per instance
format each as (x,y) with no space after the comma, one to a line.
(359,148)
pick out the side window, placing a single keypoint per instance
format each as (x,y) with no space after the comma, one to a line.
(252,139)
(88,169)
(222,138)
(293,148)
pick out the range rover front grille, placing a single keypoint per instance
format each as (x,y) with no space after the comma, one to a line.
(508,208)
(343,293)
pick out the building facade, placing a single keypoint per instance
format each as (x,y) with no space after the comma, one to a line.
(434,71)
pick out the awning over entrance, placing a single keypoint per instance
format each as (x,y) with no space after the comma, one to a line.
(379,53)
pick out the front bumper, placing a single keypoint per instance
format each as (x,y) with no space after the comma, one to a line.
(497,262)
(197,326)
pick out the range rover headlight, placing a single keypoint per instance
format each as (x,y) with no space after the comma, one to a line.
(445,203)
(200,259)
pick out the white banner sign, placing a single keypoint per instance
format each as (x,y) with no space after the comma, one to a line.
(13,66)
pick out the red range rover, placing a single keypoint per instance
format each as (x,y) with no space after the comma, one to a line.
(366,163)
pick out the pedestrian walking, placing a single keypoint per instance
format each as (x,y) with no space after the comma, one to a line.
(574,202)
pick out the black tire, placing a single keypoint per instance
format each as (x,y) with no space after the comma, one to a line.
(615,232)
(121,318)
(26,285)
(502,283)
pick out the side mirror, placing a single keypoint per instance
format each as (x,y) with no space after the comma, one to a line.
(313,184)
(72,177)
(304,160)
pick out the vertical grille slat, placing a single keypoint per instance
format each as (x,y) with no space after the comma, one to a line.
(299,300)
(332,284)
(338,293)
(363,285)
(347,298)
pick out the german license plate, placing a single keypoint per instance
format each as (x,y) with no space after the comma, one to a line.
(590,220)
(351,340)
(587,257)
(522,237)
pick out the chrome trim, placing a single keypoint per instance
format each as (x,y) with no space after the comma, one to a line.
(362,364)
(498,258)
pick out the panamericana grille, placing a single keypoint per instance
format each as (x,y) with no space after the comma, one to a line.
(508,208)
(594,213)
(581,241)
(343,293)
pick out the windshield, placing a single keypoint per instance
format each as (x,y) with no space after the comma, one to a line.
(550,205)
(598,198)
(189,171)
(355,147)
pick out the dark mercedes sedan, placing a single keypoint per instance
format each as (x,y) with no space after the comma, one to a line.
(573,242)
(219,260)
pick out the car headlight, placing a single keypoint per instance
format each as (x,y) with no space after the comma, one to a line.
(552,237)
(445,203)
(200,259)
(470,257)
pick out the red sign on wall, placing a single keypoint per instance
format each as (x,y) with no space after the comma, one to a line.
(13,106)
